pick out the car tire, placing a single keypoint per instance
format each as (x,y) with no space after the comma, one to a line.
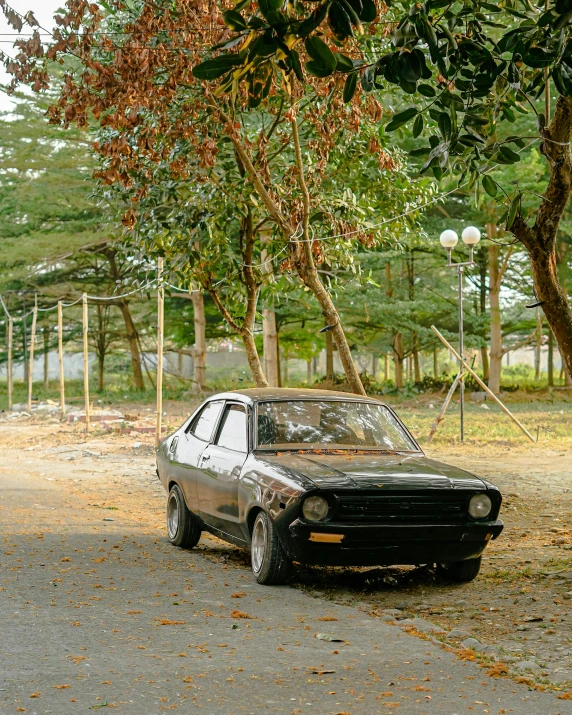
(461,571)
(183,527)
(270,565)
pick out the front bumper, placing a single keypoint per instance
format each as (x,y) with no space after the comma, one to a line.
(385,545)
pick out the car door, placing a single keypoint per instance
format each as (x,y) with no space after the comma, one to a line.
(189,448)
(221,464)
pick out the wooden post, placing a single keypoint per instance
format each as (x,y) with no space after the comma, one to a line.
(160,334)
(467,367)
(441,416)
(46,358)
(85,363)
(61,358)
(9,375)
(31,362)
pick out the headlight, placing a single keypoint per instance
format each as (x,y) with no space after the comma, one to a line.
(480,506)
(315,508)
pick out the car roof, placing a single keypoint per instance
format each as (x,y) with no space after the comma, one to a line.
(258,394)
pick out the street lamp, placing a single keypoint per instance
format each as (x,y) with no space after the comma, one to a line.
(449,239)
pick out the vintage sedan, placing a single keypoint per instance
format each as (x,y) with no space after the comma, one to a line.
(321,477)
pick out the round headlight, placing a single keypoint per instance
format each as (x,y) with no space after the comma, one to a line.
(480,506)
(315,508)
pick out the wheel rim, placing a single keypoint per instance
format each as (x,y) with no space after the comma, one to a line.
(258,544)
(172,515)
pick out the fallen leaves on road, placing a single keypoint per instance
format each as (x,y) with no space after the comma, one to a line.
(240,614)
(167,622)
(62,687)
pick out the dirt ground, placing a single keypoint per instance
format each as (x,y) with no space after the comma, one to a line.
(517,610)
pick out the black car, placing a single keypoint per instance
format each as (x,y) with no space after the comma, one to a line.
(321,477)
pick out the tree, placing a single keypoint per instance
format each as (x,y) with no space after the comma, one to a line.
(106,87)
(475,71)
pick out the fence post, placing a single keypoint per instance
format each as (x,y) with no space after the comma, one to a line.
(9,376)
(85,362)
(61,357)
(32,346)
(160,334)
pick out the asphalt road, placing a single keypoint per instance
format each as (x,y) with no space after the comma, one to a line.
(98,611)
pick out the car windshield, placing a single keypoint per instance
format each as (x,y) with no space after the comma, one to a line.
(330,425)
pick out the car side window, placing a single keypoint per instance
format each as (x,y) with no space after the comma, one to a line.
(204,423)
(232,430)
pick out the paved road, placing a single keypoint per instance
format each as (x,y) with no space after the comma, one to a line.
(97,610)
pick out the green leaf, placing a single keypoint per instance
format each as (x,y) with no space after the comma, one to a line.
(340,22)
(445,125)
(509,154)
(321,54)
(489,185)
(316,69)
(426,90)
(417,126)
(234,20)
(367,79)
(369,11)
(217,66)
(343,63)
(400,119)
(513,210)
(350,87)
(270,9)
(293,60)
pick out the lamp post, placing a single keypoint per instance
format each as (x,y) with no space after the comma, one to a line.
(449,239)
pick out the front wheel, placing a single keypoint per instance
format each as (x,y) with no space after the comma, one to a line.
(270,564)
(183,527)
(462,571)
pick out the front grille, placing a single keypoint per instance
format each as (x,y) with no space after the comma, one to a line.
(412,508)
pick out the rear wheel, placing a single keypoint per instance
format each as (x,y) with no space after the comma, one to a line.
(461,571)
(183,527)
(270,565)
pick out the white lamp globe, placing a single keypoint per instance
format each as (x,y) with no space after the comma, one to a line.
(448,239)
(471,236)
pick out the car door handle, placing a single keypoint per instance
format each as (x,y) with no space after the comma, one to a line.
(206,457)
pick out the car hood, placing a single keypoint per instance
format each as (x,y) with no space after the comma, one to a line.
(370,471)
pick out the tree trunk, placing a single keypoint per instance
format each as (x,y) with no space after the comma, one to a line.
(133,341)
(302,251)
(200,347)
(100,371)
(373,365)
(483,261)
(253,359)
(398,359)
(495,319)
(435,363)
(386,368)
(416,363)
(278,357)
(245,330)
(540,239)
(46,359)
(550,367)
(329,356)
(538,345)
(485,362)
(270,342)
(309,379)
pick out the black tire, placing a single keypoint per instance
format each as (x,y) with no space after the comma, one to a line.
(270,565)
(461,571)
(183,527)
